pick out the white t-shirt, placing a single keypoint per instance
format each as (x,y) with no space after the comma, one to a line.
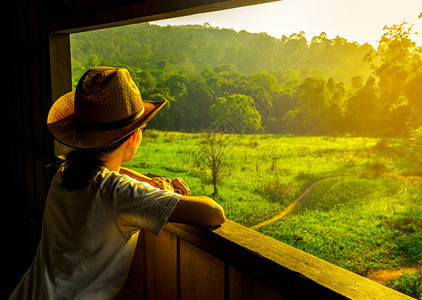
(89,237)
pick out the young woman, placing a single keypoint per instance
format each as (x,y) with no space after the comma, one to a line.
(95,208)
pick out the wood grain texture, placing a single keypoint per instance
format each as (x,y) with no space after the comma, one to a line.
(201,274)
(162,269)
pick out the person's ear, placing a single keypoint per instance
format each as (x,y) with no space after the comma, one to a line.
(133,137)
(132,146)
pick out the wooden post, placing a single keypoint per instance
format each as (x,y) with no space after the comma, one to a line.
(61,73)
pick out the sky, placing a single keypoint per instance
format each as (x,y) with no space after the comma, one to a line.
(359,21)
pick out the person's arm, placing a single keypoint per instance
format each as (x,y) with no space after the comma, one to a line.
(193,210)
(175,185)
(198,211)
(135,175)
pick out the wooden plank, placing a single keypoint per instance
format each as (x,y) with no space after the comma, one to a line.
(22,26)
(137,278)
(253,289)
(36,111)
(16,127)
(40,177)
(80,16)
(201,274)
(61,74)
(161,261)
(29,175)
(167,266)
(127,294)
(60,65)
(25,111)
(241,286)
(33,21)
(234,284)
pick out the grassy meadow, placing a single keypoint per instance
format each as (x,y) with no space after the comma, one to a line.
(365,215)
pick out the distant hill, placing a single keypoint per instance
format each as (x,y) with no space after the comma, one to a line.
(253,83)
(192,48)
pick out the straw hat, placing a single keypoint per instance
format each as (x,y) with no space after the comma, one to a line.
(105,107)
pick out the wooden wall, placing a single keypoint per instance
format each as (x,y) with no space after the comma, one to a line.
(235,262)
(167,267)
(28,146)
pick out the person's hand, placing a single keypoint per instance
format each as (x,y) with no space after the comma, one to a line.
(180,186)
(162,183)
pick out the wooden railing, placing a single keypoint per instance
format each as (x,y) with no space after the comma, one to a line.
(234,262)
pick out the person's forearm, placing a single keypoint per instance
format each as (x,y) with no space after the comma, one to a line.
(135,175)
(198,211)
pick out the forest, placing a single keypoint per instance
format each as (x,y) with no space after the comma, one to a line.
(239,82)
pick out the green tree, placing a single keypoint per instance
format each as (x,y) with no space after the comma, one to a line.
(333,108)
(235,114)
(412,89)
(196,104)
(146,82)
(312,100)
(396,54)
(262,86)
(362,112)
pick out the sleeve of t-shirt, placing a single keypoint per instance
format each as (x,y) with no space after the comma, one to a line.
(140,205)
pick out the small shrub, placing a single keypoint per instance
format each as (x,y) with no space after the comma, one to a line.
(409,284)
(276,191)
(377,167)
(381,146)
(415,143)
(301,175)
(152,133)
(210,154)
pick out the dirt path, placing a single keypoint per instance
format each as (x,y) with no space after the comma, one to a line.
(406,179)
(379,276)
(296,202)
(382,276)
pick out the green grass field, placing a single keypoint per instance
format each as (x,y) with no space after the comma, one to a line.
(365,215)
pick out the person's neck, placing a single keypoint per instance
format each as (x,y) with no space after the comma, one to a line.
(111,166)
(113,161)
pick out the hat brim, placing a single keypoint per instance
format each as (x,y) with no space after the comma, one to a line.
(61,124)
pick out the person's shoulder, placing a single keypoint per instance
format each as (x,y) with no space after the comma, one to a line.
(111,176)
(115,179)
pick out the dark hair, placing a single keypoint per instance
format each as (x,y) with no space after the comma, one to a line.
(82,166)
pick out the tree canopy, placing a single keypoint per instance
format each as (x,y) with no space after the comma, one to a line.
(247,82)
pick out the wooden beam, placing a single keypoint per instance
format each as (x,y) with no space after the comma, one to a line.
(61,74)
(283,268)
(78,16)
(60,65)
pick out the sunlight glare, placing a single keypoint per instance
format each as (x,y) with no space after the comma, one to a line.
(356,20)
